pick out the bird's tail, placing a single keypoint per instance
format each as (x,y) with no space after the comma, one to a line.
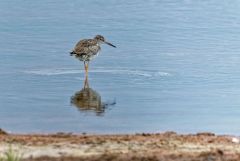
(72,53)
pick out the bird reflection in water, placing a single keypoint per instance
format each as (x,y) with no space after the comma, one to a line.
(88,99)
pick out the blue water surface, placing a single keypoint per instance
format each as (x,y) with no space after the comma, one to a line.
(176,66)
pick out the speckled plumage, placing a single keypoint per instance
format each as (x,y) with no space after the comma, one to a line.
(86,49)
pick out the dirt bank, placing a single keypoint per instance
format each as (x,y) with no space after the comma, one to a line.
(167,146)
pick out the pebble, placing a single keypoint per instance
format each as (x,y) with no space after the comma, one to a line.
(235,140)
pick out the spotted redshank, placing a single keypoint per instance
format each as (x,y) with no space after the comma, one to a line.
(86,49)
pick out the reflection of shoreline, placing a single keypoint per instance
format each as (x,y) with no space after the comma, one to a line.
(88,99)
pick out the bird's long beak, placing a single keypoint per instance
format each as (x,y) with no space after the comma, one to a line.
(109,44)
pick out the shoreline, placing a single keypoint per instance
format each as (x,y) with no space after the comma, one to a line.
(168,146)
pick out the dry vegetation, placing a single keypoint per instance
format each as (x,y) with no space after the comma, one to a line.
(167,146)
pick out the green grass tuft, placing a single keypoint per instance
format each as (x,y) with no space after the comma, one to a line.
(10,155)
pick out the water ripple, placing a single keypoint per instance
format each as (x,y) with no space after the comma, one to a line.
(52,72)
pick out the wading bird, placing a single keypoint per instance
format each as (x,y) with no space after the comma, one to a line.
(86,49)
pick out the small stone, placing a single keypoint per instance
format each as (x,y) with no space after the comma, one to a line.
(2,132)
(205,134)
(235,140)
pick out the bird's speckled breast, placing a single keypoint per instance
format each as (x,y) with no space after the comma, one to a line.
(94,51)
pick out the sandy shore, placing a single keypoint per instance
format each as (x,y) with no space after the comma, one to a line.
(167,146)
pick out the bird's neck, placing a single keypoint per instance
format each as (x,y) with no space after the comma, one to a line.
(99,43)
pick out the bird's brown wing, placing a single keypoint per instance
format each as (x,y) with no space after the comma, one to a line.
(86,46)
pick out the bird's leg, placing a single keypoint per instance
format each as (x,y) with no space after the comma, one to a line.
(87,63)
(86,85)
(86,68)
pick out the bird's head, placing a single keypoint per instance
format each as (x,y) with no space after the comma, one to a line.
(100,39)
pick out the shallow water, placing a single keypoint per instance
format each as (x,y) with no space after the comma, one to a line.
(176,66)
